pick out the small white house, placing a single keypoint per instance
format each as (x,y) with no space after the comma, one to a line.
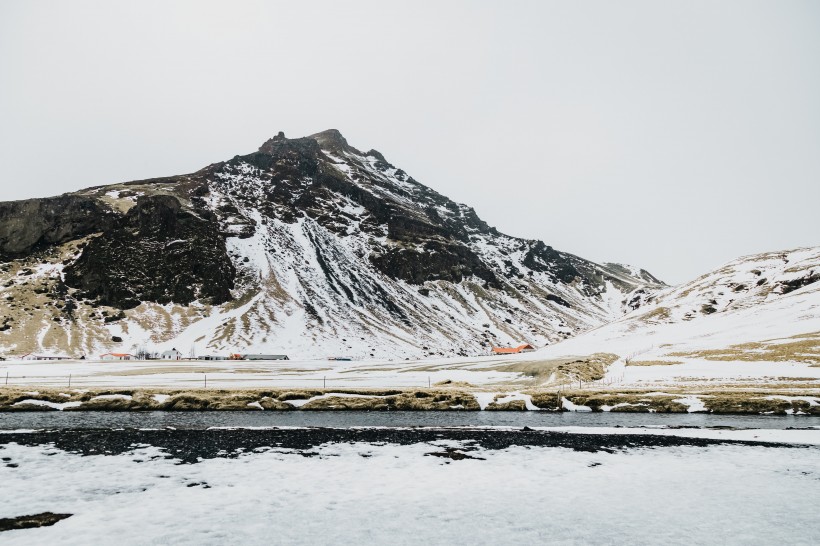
(32,356)
(173,354)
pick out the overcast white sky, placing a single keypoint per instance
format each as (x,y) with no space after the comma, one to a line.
(670,135)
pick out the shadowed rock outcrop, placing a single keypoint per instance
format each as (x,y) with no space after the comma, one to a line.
(35,223)
(157,252)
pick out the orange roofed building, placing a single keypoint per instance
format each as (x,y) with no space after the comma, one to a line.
(513,350)
(116,356)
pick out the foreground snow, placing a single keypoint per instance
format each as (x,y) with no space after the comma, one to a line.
(370,494)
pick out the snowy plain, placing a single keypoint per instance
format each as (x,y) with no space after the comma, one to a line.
(373,494)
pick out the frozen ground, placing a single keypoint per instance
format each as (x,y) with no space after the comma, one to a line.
(244,374)
(376,493)
(483,372)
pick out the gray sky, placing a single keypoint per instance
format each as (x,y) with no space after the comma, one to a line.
(670,135)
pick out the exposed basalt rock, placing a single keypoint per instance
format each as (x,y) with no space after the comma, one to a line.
(436,262)
(558,299)
(796,284)
(32,521)
(543,258)
(35,223)
(333,141)
(157,252)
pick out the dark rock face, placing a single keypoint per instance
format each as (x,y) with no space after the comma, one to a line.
(796,284)
(32,521)
(541,257)
(157,252)
(437,262)
(33,223)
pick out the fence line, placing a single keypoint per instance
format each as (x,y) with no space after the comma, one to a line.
(199,380)
(218,381)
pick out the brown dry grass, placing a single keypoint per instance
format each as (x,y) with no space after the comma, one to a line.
(637,402)
(798,348)
(716,400)
(755,403)
(657,314)
(591,368)
(652,362)
(588,368)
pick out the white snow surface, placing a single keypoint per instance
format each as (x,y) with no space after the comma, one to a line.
(272,373)
(46,403)
(377,494)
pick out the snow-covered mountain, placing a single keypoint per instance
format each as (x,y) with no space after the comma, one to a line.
(756,310)
(308,247)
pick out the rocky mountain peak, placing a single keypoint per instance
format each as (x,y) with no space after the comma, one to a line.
(332,140)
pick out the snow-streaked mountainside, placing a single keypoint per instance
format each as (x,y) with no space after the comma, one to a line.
(757,309)
(307,247)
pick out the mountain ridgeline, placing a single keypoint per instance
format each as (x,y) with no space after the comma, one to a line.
(307,246)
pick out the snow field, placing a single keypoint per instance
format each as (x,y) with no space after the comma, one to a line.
(371,494)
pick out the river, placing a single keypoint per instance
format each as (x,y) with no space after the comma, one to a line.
(345,419)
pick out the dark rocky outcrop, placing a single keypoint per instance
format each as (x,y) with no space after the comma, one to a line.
(541,257)
(157,252)
(435,262)
(798,283)
(34,223)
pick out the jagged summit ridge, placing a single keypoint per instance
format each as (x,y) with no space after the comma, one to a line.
(321,249)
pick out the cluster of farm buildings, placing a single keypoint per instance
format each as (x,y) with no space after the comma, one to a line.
(174,354)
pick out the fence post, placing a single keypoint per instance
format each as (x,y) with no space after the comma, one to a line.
(428,382)
(69,381)
(206,380)
(7,378)
(324,382)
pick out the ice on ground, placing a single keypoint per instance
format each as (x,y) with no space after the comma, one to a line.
(484,399)
(693,403)
(302,402)
(46,403)
(518,396)
(569,406)
(113,397)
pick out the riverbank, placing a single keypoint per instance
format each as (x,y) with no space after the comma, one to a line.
(766,401)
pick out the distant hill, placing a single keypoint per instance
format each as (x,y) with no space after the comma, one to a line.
(760,308)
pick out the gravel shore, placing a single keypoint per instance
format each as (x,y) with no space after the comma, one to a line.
(190,446)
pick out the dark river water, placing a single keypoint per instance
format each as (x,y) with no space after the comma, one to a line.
(346,419)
